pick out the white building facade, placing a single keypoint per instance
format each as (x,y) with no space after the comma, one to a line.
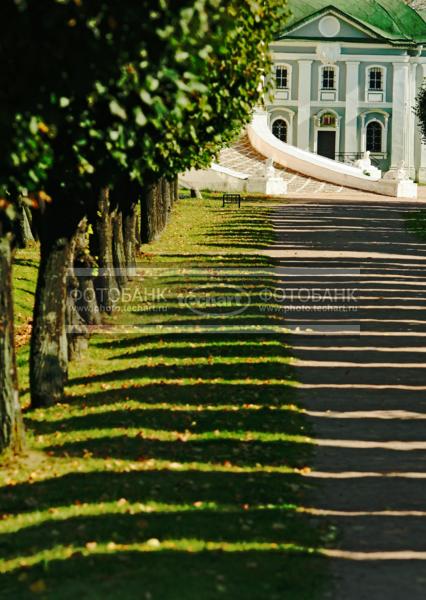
(346,78)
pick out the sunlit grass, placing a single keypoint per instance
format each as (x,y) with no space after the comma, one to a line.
(203,226)
(174,468)
(25,267)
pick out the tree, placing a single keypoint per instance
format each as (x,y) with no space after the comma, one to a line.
(115,95)
(420,111)
(11,428)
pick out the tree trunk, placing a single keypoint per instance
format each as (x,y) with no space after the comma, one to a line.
(138,240)
(77,332)
(11,426)
(118,250)
(163,204)
(158,207)
(106,285)
(175,185)
(156,204)
(167,201)
(130,242)
(48,352)
(84,264)
(22,228)
(148,214)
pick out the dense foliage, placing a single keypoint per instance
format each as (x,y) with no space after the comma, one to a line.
(101,103)
(134,86)
(420,110)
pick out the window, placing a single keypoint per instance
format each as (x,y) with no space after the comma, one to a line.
(374,137)
(281,78)
(375,79)
(329,78)
(280,129)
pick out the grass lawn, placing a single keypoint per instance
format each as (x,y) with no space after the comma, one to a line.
(174,468)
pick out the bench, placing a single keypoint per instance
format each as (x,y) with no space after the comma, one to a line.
(231,199)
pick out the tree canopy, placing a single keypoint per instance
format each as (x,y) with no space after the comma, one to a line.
(104,86)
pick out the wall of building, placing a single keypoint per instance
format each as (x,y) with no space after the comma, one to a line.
(404,74)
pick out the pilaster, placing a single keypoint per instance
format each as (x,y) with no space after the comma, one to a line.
(304,104)
(351,110)
(400,114)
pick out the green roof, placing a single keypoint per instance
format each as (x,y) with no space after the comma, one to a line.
(390,19)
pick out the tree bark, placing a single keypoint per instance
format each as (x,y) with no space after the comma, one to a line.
(175,189)
(105,283)
(156,205)
(167,201)
(84,264)
(163,204)
(130,242)
(118,250)
(49,357)
(22,228)
(77,332)
(11,425)
(148,214)
(48,351)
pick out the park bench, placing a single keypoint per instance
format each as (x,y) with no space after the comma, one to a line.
(231,199)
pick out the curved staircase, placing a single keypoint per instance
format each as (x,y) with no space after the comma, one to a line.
(306,173)
(242,157)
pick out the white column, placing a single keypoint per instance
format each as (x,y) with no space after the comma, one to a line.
(338,132)
(400,109)
(420,145)
(304,104)
(411,117)
(291,131)
(363,134)
(386,133)
(351,110)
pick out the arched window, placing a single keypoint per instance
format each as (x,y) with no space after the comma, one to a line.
(280,129)
(328,79)
(281,78)
(374,137)
(375,79)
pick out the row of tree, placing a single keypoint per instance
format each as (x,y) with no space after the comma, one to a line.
(102,104)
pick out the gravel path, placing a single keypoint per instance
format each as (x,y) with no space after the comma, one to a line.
(363,382)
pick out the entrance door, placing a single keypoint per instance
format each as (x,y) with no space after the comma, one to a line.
(327,144)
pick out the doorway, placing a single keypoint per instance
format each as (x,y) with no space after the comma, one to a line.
(327,144)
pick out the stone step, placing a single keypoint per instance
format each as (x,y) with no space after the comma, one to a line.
(242,157)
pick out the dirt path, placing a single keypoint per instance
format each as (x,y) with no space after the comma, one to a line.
(363,382)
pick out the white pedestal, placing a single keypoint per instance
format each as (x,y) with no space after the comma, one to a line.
(269,186)
(406,189)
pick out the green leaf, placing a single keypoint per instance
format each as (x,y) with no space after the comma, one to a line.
(117,110)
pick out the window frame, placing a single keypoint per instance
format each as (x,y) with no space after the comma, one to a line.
(334,69)
(373,87)
(381,93)
(287,125)
(280,86)
(382,131)
(289,78)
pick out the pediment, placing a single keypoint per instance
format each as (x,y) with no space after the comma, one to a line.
(329,25)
